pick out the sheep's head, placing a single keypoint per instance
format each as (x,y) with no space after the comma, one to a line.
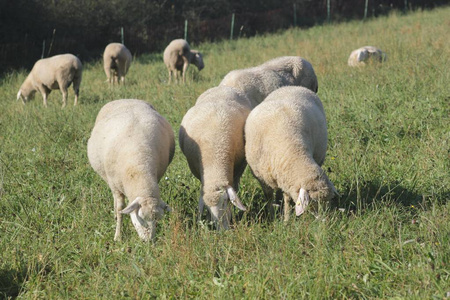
(217,202)
(197,59)
(321,190)
(145,212)
(25,94)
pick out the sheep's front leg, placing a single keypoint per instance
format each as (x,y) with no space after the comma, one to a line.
(44,92)
(268,194)
(185,66)
(64,94)
(287,208)
(77,91)
(119,204)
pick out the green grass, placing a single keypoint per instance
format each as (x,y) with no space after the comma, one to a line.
(388,156)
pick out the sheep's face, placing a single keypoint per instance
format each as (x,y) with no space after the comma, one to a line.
(198,61)
(217,201)
(25,95)
(321,190)
(145,212)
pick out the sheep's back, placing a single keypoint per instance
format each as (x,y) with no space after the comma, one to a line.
(130,133)
(290,120)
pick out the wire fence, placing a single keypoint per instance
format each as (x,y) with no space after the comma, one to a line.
(144,38)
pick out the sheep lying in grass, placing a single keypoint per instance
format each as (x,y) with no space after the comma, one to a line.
(130,147)
(212,139)
(116,62)
(57,72)
(178,56)
(363,55)
(258,82)
(285,145)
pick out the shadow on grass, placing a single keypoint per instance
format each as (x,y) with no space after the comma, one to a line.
(366,196)
(11,281)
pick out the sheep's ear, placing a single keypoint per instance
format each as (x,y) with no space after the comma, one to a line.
(19,94)
(235,199)
(135,205)
(167,207)
(302,202)
(333,188)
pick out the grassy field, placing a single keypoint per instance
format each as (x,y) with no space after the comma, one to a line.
(388,156)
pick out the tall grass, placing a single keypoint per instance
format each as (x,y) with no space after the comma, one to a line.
(388,156)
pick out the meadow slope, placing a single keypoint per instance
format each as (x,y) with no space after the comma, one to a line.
(388,155)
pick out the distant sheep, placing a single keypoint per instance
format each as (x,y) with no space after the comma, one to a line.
(212,139)
(285,145)
(57,72)
(361,56)
(258,82)
(116,62)
(178,56)
(130,147)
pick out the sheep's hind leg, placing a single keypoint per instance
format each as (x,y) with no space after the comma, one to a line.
(119,204)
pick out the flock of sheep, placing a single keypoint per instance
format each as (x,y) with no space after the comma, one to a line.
(267,116)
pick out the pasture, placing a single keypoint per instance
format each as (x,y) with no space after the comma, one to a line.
(388,155)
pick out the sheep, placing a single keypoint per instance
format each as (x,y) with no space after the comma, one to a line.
(258,82)
(285,146)
(130,147)
(52,73)
(211,137)
(361,56)
(178,56)
(116,62)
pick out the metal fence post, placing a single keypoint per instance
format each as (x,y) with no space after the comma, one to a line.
(185,29)
(122,36)
(43,49)
(365,9)
(295,15)
(328,11)
(232,26)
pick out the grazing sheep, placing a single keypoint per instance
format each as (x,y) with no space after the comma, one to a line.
(178,56)
(116,62)
(258,82)
(361,56)
(285,145)
(212,139)
(130,147)
(52,73)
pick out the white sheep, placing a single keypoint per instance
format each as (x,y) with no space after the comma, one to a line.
(116,62)
(130,147)
(258,82)
(285,145)
(212,139)
(361,56)
(178,56)
(52,73)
